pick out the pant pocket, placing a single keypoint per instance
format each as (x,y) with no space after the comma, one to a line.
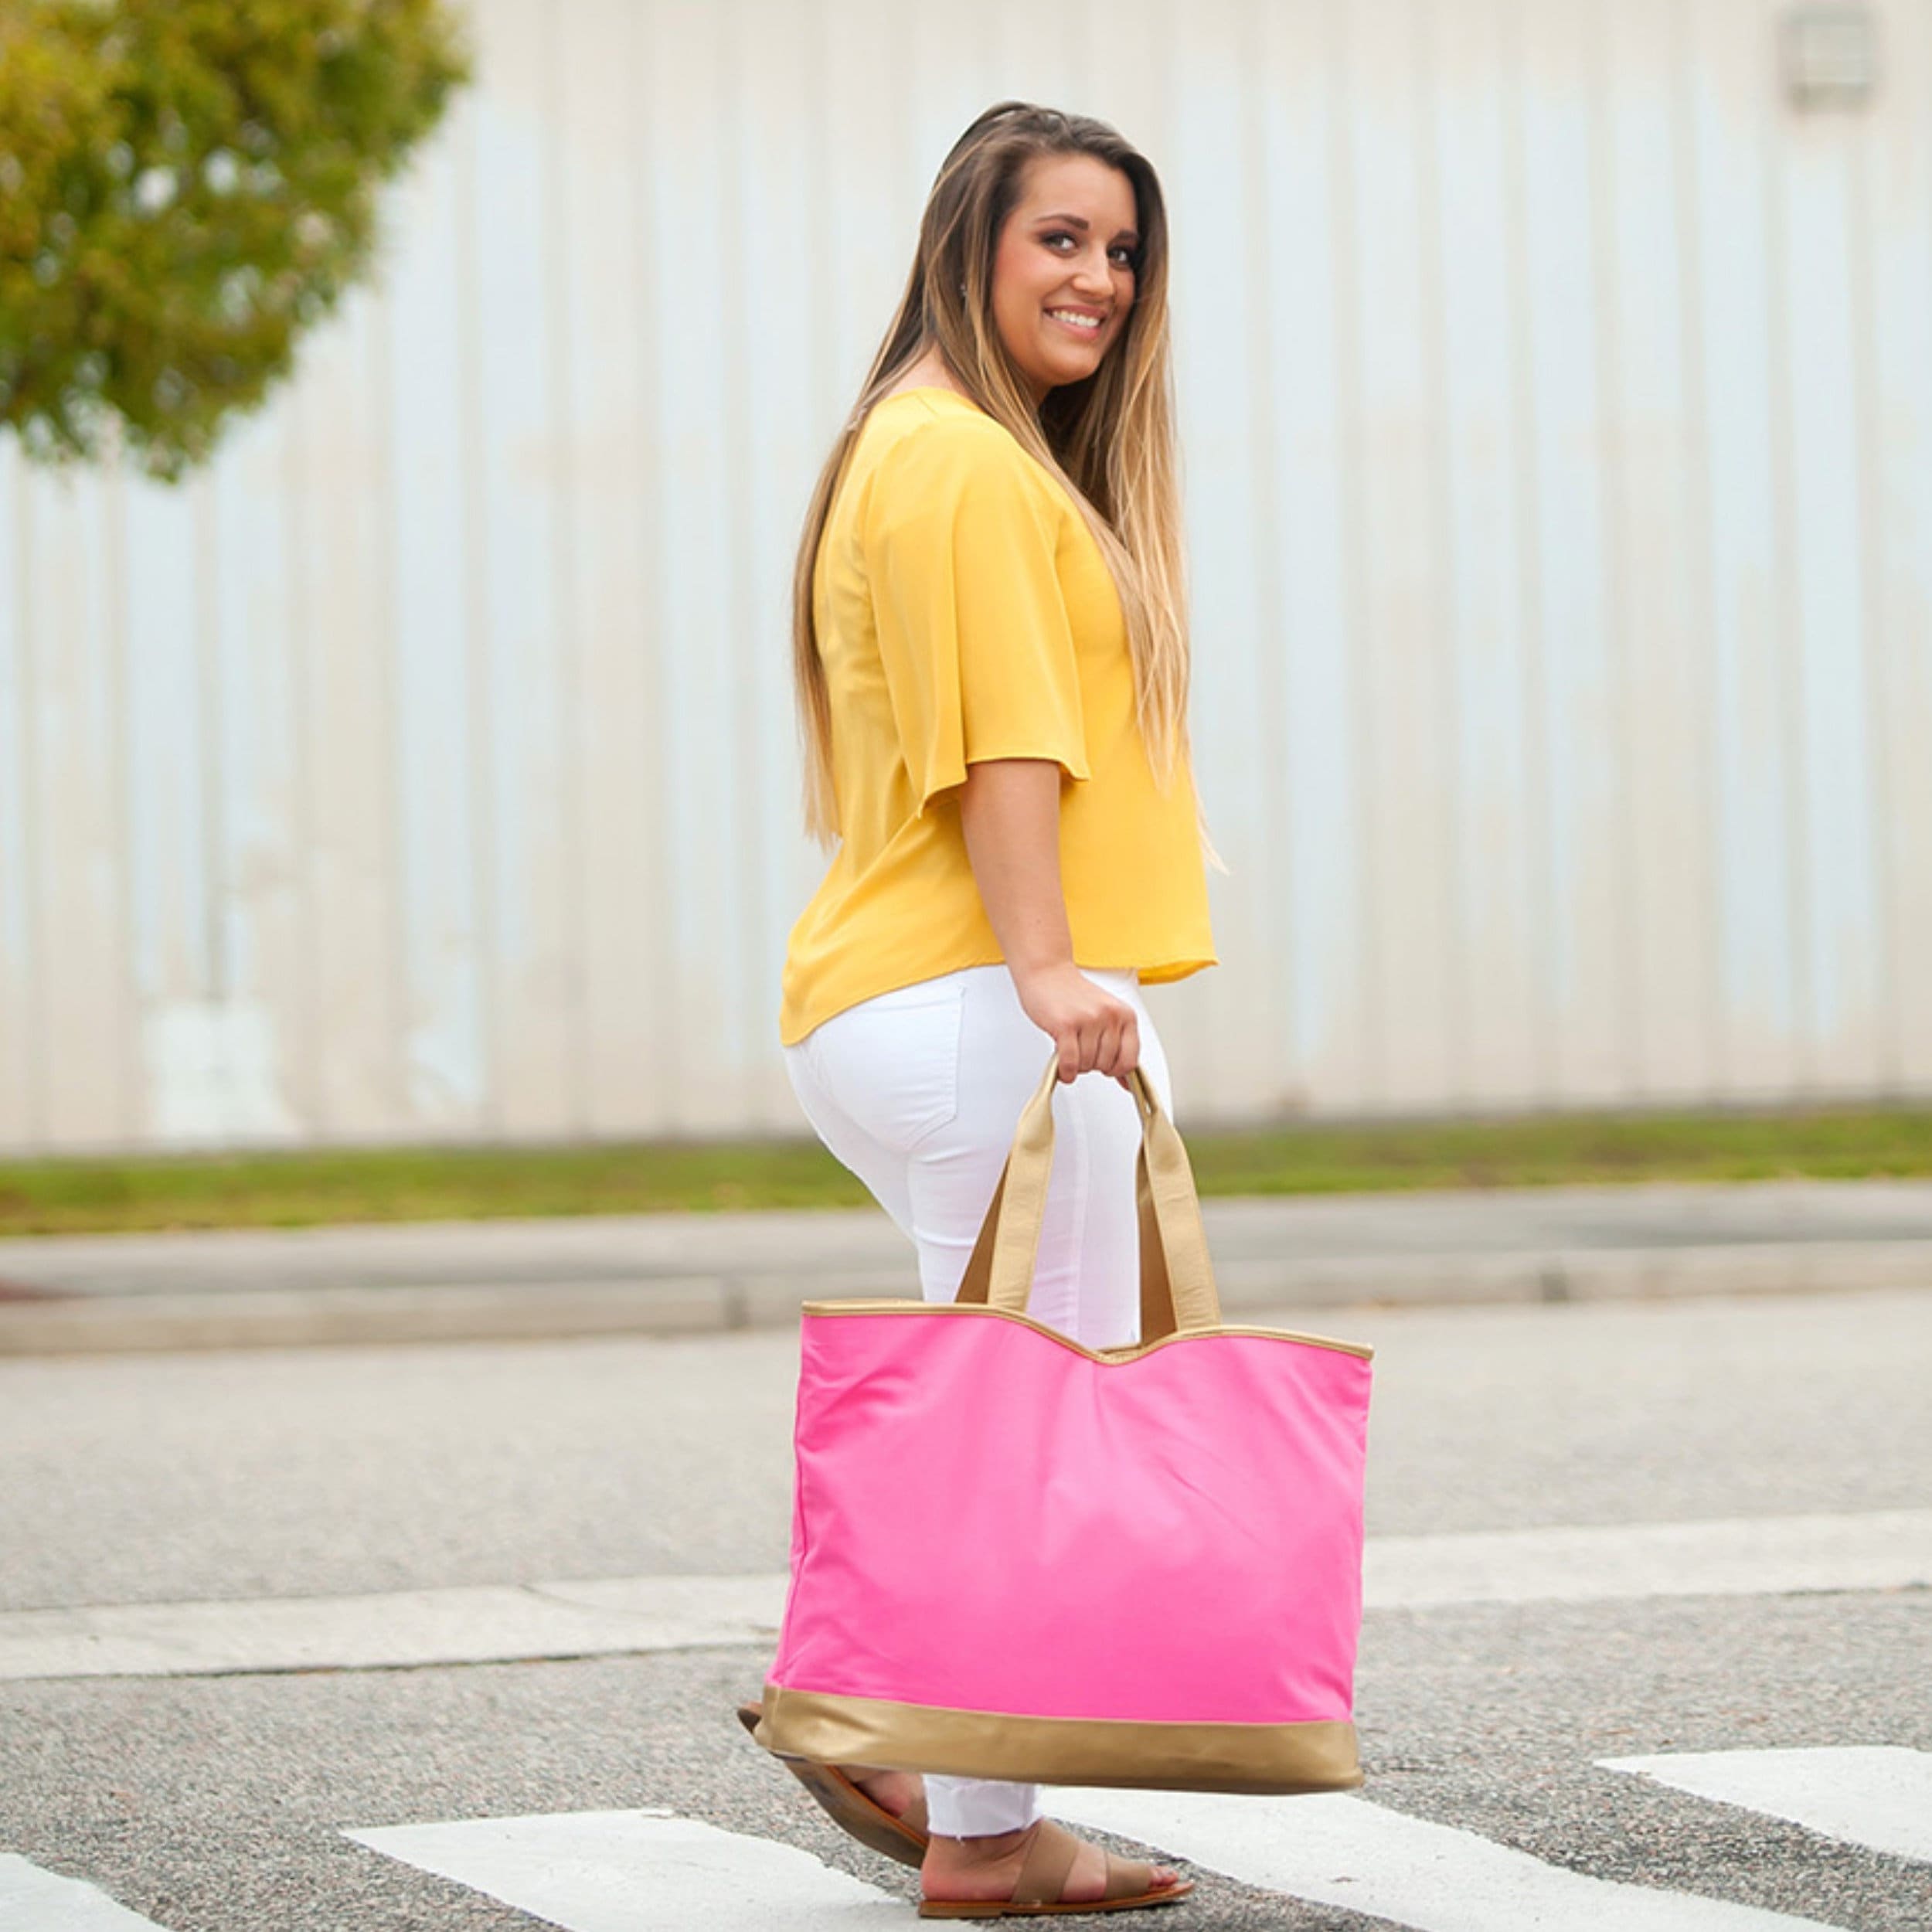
(891,1064)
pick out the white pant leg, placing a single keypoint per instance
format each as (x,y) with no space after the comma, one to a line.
(918,1092)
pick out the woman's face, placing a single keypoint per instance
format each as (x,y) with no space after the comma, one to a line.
(1062,280)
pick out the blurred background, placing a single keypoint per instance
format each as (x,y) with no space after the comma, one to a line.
(1556,396)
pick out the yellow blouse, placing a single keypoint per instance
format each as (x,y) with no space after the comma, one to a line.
(964,612)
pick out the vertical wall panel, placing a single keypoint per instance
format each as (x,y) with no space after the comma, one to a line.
(73,554)
(1841,944)
(694,284)
(1309,295)
(181,1091)
(523,464)
(607,354)
(1118,72)
(1034,50)
(743,863)
(872,190)
(788,428)
(1652,374)
(954,75)
(1897,188)
(439,834)
(1496,807)
(20,1039)
(261,845)
(1754,896)
(1403,710)
(1585,961)
(1215,274)
(1273,1084)
(347,720)
(1556,418)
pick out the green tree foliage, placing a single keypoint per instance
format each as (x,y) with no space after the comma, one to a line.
(185,186)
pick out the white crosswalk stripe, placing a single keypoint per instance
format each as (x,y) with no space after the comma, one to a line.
(1344,1851)
(1889,1549)
(34,1900)
(1876,1795)
(642,1871)
(651,1871)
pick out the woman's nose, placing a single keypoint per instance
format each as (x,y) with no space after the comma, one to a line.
(1093,275)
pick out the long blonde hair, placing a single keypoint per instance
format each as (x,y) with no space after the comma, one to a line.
(1109,439)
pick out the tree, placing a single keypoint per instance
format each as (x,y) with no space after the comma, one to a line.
(186,185)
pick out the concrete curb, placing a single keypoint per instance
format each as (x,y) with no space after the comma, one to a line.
(52,1322)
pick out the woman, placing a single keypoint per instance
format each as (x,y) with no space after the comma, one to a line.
(992,662)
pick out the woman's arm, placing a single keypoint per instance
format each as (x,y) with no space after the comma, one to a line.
(1009,810)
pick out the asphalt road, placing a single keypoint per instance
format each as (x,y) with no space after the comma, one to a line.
(220,1804)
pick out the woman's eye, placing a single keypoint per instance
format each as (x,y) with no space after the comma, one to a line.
(1123,254)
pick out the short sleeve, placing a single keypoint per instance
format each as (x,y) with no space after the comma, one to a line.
(973,630)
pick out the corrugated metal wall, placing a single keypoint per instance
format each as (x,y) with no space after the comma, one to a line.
(1558,415)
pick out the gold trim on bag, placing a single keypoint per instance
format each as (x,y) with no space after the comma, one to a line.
(1127,1351)
(1256,1759)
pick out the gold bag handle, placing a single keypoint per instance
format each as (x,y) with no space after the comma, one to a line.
(1176,1277)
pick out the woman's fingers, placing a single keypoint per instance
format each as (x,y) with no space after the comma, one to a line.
(1092,1031)
(1119,1046)
(1106,1043)
(1076,1046)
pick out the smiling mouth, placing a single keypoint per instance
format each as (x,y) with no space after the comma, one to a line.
(1071,318)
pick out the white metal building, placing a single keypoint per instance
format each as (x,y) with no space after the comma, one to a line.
(1556,384)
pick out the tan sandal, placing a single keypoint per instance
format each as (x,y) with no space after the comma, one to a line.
(904,1837)
(1041,1888)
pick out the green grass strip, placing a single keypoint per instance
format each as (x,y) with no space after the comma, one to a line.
(91,1195)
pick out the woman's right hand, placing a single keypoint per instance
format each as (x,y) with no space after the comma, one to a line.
(1092,1031)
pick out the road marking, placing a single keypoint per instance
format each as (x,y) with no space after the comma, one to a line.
(1734,1556)
(416,1627)
(621,1616)
(32,1900)
(651,1871)
(643,1871)
(1876,1795)
(1343,1851)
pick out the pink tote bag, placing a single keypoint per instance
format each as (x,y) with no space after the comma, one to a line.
(1015,1557)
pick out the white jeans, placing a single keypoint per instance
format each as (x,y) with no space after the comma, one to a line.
(918,1092)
